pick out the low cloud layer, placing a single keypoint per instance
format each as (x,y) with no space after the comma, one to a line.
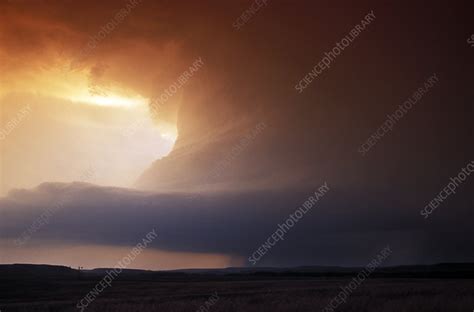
(340,230)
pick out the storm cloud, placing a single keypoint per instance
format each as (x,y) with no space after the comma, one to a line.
(247,79)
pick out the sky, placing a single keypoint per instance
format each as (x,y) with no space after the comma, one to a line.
(212,122)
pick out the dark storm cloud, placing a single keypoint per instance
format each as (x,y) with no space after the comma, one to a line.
(342,228)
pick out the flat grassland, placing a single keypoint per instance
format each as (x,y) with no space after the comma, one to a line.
(240,294)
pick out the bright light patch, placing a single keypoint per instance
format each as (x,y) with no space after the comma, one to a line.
(101,124)
(169,136)
(109,100)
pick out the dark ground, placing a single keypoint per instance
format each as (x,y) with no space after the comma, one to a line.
(300,290)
